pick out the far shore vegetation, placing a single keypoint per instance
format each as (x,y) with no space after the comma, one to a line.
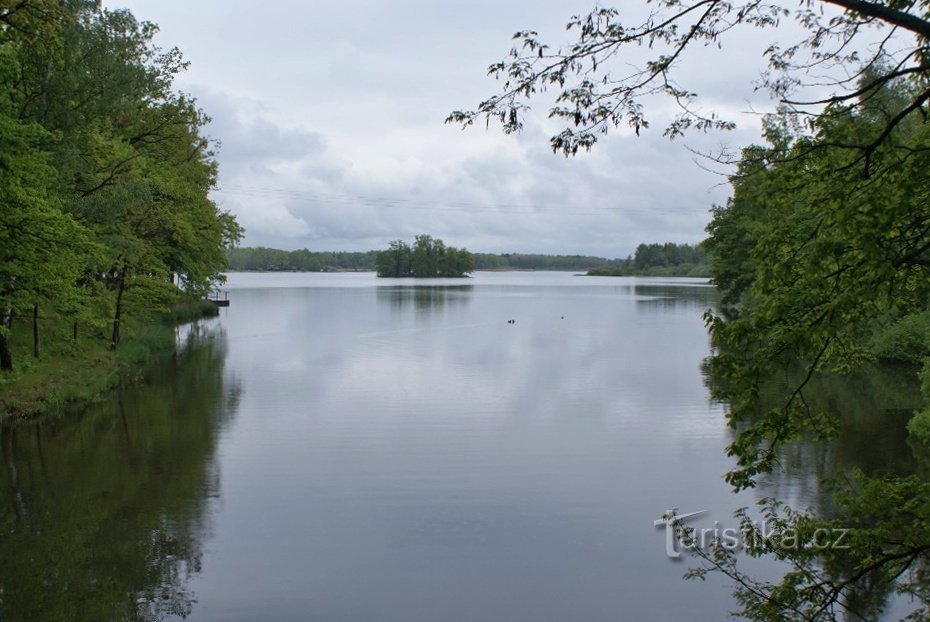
(659,260)
(676,260)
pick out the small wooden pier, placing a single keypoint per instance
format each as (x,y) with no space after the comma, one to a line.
(214,297)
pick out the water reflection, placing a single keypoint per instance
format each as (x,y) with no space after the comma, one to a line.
(672,294)
(400,455)
(105,515)
(424,297)
(437,462)
(871,405)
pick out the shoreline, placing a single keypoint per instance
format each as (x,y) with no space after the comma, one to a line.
(83,373)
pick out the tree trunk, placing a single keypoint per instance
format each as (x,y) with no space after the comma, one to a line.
(74,332)
(6,356)
(35,330)
(114,341)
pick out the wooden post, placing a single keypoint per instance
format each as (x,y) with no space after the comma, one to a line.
(6,355)
(35,330)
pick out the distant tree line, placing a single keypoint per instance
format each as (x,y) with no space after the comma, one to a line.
(523,261)
(428,257)
(667,259)
(649,259)
(263,259)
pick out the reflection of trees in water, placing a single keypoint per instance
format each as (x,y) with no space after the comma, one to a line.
(871,407)
(669,295)
(105,514)
(424,297)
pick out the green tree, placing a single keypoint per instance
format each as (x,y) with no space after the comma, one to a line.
(813,255)
(815,252)
(395,261)
(41,248)
(461,262)
(424,256)
(132,163)
(428,258)
(106,174)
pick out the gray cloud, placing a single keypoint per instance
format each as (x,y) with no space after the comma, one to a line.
(330,117)
(248,138)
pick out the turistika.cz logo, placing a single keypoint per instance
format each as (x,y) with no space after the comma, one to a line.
(681,537)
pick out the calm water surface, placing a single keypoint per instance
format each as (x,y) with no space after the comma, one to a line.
(338,447)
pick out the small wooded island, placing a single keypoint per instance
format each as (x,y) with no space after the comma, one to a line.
(428,258)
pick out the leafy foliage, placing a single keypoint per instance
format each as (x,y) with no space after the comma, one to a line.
(906,339)
(822,266)
(839,568)
(667,259)
(428,258)
(598,86)
(105,174)
(814,253)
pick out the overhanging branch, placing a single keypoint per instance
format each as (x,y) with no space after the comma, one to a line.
(902,19)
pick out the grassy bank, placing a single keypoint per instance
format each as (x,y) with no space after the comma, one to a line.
(72,373)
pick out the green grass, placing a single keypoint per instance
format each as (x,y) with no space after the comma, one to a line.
(73,374)
(189,311)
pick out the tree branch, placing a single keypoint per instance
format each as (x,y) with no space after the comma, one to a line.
(907,21)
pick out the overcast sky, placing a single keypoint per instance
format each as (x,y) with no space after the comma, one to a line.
(331,117)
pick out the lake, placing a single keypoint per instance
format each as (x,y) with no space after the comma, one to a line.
(341,447)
